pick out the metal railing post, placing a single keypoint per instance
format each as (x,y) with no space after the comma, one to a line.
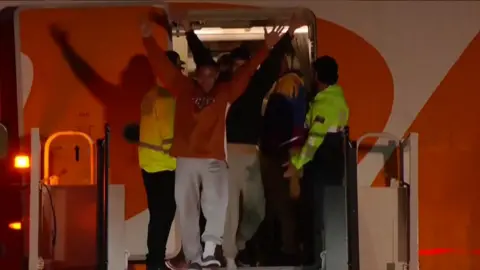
(103,165)
(106,184)
(100,203)
(351,187)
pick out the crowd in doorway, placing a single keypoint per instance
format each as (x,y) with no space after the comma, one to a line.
(237,150)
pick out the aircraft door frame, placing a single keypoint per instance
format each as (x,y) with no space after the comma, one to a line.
(142,218)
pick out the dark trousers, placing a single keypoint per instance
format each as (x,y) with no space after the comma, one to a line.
(160,189)
(326,169)
(311,205)
(280,206)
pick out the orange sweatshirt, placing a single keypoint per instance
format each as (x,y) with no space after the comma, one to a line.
(199,130)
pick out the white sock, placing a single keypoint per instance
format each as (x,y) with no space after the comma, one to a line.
(209,249)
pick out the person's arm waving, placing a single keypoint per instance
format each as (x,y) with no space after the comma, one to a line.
(200,53)
(241,77)
(172,78)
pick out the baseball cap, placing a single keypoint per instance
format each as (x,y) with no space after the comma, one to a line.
(174,57)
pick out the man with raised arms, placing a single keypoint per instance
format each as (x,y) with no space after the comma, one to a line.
(199,143)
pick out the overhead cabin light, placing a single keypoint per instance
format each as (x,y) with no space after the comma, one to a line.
(239,31)
(254,33)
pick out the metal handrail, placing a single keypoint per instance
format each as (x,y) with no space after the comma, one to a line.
(380,135)
(46,154)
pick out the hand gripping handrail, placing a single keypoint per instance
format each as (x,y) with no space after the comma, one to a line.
(46,153)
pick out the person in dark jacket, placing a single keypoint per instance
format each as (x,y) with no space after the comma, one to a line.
(243,133)
(239,56)
(225,63)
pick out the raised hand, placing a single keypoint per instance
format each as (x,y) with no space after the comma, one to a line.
(272,37)
(146,28)
(296,21)
(159,18)
(59,35)
(180,17)
(290,170)
(295,188)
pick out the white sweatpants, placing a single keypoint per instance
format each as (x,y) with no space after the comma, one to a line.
(211,176)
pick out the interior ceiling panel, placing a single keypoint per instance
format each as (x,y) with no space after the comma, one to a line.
(240,18)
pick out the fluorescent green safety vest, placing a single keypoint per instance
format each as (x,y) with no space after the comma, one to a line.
(328,113)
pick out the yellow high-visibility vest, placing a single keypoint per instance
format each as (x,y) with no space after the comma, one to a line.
(156,129)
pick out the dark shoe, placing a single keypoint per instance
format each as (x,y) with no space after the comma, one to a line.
(210,261)
(245,258)
(155,262)
(194,266)
(315,266)
(156,267)
(312,267)
(289,259)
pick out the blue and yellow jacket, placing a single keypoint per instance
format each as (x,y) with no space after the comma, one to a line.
(284,115)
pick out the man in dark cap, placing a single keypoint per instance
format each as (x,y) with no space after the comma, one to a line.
(321,157)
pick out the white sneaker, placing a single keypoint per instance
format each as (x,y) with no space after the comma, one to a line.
(231,265)
(208,257)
